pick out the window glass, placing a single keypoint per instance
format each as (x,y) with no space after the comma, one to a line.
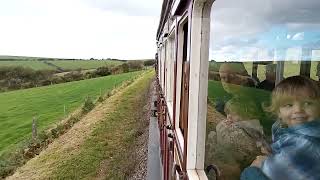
(255,45)
(315,65)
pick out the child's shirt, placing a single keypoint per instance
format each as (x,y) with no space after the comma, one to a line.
(296,152)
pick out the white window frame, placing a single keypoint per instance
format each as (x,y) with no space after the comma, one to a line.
(198,90)
(163,58)
(179,58)
(170,72)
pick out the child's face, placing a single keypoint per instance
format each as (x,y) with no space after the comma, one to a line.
(298,111)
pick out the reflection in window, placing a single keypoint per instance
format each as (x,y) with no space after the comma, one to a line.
(272,42)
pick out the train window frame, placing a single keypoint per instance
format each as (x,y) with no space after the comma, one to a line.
(170,71)
(165,65)
(180,139)
(303,64)
(162,63)
(199,63)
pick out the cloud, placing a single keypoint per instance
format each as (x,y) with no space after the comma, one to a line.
(263,25)
(129,7)
(298,36)
(288,36)
(73,29)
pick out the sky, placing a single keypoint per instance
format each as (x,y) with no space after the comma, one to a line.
(122,29)
(246,30)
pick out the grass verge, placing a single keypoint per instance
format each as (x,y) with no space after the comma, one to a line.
(101,145)
(109,147)
(27,150)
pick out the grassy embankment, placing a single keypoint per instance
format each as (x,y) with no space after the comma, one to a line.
(112,141)
(100,146)
(17,108)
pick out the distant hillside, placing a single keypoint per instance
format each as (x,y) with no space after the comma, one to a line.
(4,57)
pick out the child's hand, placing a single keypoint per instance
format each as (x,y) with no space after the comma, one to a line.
(258,161)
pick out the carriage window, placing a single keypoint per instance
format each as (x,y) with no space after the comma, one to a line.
(183,120)
(171,59)
(272,42)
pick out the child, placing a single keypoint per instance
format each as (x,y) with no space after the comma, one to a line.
(296,135)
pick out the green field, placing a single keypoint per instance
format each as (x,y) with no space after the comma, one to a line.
(17,108)
(76,64)
(64,64)
(36,65)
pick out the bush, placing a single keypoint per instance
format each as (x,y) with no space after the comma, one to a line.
(90,75)
(21,77)
(100,99)
(73,76)
(149,62)
(74,119)
(56,79)
(125,67)
(103,71)
(88,105)
(135,65)
(45,82)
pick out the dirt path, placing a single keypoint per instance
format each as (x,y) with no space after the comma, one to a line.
(42,166)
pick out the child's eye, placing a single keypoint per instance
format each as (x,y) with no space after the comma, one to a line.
(287,105)
(308,103)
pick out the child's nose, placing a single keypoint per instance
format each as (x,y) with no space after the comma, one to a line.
(298,108)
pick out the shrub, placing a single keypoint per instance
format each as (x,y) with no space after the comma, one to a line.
(21,77)
(149,62)
(73,76)
(56,79)
(103,71)
(125,67)
(54,133)
(135,65)
(88,105)
(74,119)
(100,99)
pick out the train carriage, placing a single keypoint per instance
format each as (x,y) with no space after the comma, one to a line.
(217,63)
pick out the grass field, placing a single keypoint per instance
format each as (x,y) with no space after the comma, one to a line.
(47,103)
(36,65)
(76,64)
(64,64)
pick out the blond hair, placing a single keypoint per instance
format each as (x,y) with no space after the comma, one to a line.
(293,87)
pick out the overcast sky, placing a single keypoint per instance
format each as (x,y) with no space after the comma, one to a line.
(123,29)
(265,30)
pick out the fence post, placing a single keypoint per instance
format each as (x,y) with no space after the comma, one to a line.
(64,110)
(34,129)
